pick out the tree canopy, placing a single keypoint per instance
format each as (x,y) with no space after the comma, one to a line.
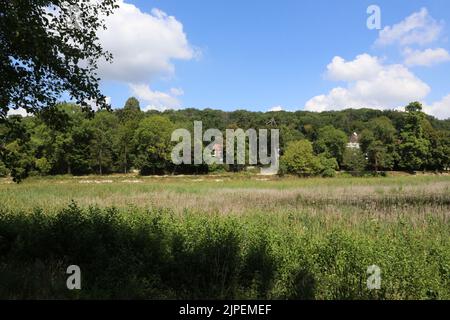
(124,139)
(50,47)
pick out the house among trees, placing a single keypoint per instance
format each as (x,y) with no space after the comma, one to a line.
(354,141)
(217,151)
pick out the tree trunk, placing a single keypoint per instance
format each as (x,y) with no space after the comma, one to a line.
(100,163)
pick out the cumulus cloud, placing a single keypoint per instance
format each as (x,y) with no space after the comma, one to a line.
(93,103)
(20,112)
(363,67)
(370,84)
(428,57)
(419,28)
(439,109)
(143,45)
(157,100)
(276,109)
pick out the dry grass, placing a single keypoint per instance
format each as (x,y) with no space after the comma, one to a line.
(378,198)
(280,228)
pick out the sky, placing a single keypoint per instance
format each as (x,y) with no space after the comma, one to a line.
(278,55)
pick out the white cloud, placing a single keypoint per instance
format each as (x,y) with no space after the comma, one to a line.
(276,109)
(157,100)
(419,28)
(20,112)
(93,103)
(428,57)
(143,45)
(370,84)
(363,67)
(439,109)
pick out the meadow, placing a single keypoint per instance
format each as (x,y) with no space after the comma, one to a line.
(226,236)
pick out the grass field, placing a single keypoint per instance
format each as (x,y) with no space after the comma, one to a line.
(226,236)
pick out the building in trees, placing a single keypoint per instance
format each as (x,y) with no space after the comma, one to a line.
(354,141)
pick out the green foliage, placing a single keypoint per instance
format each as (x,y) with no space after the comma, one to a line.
(43,166)
(414,147)
(154,146)
(74,142)
(354,160)
(413,152)
(104,126)
(3,170)
(124,146)
(132,106)
(15,149)
(332,142)
(43,43)
(439,155)
(380,156)
(289,134)
(378,144)
(158,255)
(383,129)
(299,159)
(328,166)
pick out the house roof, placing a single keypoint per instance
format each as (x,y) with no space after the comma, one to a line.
(354,138)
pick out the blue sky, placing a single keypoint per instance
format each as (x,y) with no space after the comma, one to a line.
(257,55)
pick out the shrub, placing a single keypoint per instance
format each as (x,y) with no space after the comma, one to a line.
(43,166)
(300,159)
(3,170)
(156,254)
(354,160)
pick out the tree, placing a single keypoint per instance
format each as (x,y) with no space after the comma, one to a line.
(70,141)
(15,149)
(19,156)
(67,148)
(379,156)
(413,148)
(378,143)
(43,166)
(299,159)
(3,169)
(366,138)
(104,125)
(132,105)
(130,112)
(328,166)
(383,129)
(154,146)
(354,160)
(332,142)
(50,47)
(124,144)
(439,156)
(288,134)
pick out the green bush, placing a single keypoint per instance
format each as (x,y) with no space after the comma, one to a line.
(3,170)
(299,159)
(157,254)
(43,166)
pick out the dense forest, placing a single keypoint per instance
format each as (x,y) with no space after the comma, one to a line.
(67,140)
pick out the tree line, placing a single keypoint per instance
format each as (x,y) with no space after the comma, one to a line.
(67,140)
